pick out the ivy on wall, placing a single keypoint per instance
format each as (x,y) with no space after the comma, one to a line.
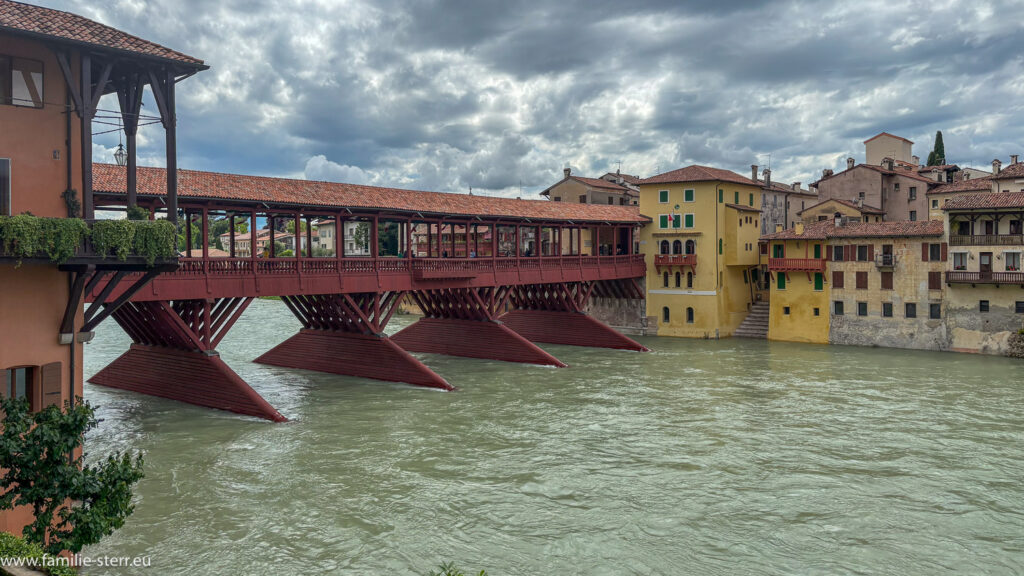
(27,236)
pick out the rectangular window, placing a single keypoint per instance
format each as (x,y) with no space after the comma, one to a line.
(983,306)
(819,281)
(663,196)
(719,245)
(886,280)
(934,252)
(663,221)
(837,307)
(862,308)
(935,280)
(751,198)
(5,187)
(913,215)
(960,261)
(935,311)
(689,221)
(17,383)
(1012,261)
(910,310)
(721,196)
(785,310)
(913,192)
(21,82)
(887,309)
(935,203)
(837,253)
(862,253)
(763,248)
(687,195)
(736,200)
(817,311)
(862,280)
(781,282)
(817,251)
(1016,227)
(1019,307)
(837,279)
(676,219)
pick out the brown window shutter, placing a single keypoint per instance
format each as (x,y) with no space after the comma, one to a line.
(837,278)
(924,252)
(850,252)
(935,280)
(945,251)
(828,252)
(886,280)
(862,280)
(871,252)
(51,381)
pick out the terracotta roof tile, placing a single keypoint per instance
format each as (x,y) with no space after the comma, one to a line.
(880,134)
(36,20)
(827,229)
(109,179)
(862,209)
(972,185)
(899,172)
(988,200)
(697,173)
(1011,171)
(629,178)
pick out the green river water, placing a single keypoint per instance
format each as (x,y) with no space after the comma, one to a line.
(701,457)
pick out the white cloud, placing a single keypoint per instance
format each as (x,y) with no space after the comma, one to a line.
(320,168)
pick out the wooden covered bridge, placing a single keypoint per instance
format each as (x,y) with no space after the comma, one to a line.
(491,275)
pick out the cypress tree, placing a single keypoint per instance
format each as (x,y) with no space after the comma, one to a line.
(938,153)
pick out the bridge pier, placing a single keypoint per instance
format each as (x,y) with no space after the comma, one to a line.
(554,314)
(463,322)
(344,334)
(174,355)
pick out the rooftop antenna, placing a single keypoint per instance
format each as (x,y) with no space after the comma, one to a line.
(470,190)
(618,169)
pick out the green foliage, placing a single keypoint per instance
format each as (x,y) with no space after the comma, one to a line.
(13,547)
(26,236)
(70,197)
(285,254)
(138,213)
(73,504)
(113,237)
(150,239)
(361,235)
(290,226)
(937,156)
(448,569)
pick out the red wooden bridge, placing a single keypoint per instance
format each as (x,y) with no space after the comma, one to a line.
(491,276)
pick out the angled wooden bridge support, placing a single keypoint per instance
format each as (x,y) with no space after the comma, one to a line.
(554,314)
(174,355)
(463,322)
(344,334)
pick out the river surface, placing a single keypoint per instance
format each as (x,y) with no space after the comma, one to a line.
(701,457)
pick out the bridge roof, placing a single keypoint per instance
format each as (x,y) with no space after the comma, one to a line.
(110,180)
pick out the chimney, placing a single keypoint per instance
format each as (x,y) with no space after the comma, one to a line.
(796,186)
(767,177)
(860,202)
(799,228)
(889,164)
(1013,158)
(826,172)
(996,164)
(567,170)
(753,172)
(838,220)
(850,163)
(916,160)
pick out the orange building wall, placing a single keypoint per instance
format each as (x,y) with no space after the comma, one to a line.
(29,137)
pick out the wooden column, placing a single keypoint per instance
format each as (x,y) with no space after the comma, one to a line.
(252,236)
(339,238)
(231,231)
(206,233)
(85,113)
(297,238)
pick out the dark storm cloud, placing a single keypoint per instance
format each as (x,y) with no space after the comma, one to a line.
(494,95)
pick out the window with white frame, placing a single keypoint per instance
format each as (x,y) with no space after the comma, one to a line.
(1012,261)
(21,82)
(663,196)
(960,261)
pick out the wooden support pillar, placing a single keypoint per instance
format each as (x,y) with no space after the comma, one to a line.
(231,231)
(188,234)
(339,236)
(252,236)
(272,241)
(85,113)
(129,96)
(374,240)
(206,233)
(297,237)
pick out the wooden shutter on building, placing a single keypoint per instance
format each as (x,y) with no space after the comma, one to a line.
(51,382)
(837,278)
(862,280)
(935,280)
(924,252)
(871,252)
(945,251)
(849,252)
(886,280)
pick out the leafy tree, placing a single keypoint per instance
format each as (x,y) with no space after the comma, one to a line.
(290,226)
(74,504)
(361,235)
(937,156)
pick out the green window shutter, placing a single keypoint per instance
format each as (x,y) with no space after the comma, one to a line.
(721,196)
(819,281)
(719,245)
(737,193)
(782,280)
(663,220)
(817,251)
(751,198)
(688,195)
(689,220)
(675,221)
(663,196)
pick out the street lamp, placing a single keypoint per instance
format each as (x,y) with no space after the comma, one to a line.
(120,156)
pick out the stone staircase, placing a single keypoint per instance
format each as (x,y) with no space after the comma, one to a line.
(756,323)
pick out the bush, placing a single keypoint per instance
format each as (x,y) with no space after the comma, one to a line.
(448,569)
(13,547)
(137,213)
(26,236)
(151,239)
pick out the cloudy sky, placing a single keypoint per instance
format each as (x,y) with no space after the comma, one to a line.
(494,95)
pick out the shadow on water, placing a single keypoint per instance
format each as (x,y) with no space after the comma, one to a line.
(701,457)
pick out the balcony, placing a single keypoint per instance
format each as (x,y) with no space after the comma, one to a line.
(986,240)
(661,260)
(885,261)
(71,243)
(796,264)
(959,277)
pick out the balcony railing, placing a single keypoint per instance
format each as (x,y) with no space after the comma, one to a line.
(796,264)
(986,240)
(885,260)
(675,260)
(957,277)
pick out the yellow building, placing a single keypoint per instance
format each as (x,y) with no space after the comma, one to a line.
(799,295)
(701,250)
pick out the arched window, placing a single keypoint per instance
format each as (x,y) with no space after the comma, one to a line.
(677,247)
(691,247)
(664,247)
(664,315)
(665,277)
(689,279)
(679,280)
(689,315)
